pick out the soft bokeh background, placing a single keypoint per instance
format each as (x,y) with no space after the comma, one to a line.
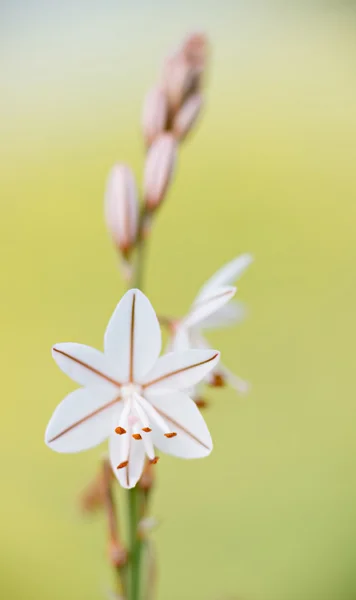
(271,170)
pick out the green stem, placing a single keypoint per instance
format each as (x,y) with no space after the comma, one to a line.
(134,495)
(135,543)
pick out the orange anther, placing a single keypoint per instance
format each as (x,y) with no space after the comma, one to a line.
(170,435)
(154,460)
(120,430)
(201,403)
(217,380)
(147,429)
(122,465)
(137,436)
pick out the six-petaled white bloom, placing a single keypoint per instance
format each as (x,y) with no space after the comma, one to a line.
(208,311)
(130,395)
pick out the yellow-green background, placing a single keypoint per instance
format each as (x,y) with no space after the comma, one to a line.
(271,170)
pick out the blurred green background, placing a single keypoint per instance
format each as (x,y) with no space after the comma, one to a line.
(271,170)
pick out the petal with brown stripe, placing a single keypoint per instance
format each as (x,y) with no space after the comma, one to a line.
(133,337)
(193,439)
(84,364)
(83,419)
(180,370)
(208,305)
(126,449)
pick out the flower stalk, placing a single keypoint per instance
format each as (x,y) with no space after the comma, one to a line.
(129,394)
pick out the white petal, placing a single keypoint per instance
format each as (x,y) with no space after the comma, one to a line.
(208,305)
(227,275)
(180,370)
(154,417)
(124,448)
(84,364)
(133,336)
(180,340)
(227,315)
(240,385)
(83,419)
(193,439)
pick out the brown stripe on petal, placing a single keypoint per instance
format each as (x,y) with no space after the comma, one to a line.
(132,339)
(211,298)
(179,426)
(86,366)
(84,419)
(178,371)
(128,465)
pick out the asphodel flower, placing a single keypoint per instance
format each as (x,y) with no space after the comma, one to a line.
(130,395)
(212,309)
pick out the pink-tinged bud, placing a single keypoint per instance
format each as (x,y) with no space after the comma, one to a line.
(159,168)
(121,208)
(187,116)
(195,49)
(155,114)
(178,77)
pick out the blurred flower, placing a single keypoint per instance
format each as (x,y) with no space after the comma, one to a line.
(131,395)
(121,208)
(159,167)
(195,49)
(183,71)
(187,116)
(155,114)
(210,310)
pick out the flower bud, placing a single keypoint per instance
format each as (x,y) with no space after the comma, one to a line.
(121,208)
(117,554)
(195,49)
(177,80)
(187,115)
(159,169)
(155,114)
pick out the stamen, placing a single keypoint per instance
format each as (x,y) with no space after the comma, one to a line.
(201,403)
(217,380)
(120,430)
(170,435)
(146,429)
(137,436)
(122,465)
(154,460)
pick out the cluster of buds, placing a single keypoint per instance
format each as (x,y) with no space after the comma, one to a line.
(170,111)
(174,104)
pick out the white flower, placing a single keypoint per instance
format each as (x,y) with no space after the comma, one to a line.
(130,395)
(210,310)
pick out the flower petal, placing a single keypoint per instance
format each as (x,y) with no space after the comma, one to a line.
(180,370)
(180,340)
(193,439)
(83,419)
(227,275)
(84,364)
(122,449)
(227,315)
(240,385)
(133,336)
(207,305)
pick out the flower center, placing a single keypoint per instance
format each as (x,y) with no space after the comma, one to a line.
(128,391)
